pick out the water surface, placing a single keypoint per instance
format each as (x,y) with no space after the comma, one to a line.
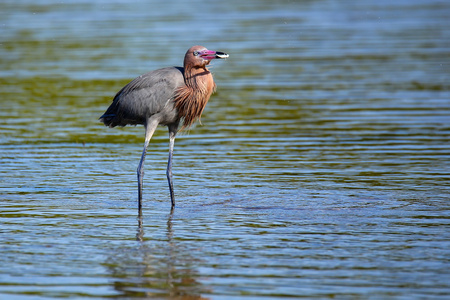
(320,170)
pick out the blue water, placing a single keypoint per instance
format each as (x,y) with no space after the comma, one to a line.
(320,170)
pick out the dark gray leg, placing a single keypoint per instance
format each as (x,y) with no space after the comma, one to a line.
(172,134)
(149,130)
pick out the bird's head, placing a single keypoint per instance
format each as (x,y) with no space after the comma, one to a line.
(199,56)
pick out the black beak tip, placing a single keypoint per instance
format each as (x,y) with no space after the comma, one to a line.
(221,54)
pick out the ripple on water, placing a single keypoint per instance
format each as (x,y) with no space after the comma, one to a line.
(320,169)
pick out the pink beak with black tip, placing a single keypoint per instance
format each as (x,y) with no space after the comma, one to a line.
(209,54)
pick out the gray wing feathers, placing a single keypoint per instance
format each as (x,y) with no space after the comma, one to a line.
(143,97)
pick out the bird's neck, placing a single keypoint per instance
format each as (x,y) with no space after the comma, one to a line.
(197,78)
(190,99)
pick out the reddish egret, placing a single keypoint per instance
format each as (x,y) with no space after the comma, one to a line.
(167,97)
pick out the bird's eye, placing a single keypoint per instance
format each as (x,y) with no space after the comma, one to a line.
(195,53)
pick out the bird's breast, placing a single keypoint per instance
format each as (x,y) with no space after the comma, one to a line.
(191,99)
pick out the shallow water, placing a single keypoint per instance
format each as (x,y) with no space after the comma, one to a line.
(321,169)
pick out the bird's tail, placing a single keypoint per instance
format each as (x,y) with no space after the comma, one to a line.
(107,119)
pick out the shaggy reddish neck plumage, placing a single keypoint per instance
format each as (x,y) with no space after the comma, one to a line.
(190,99)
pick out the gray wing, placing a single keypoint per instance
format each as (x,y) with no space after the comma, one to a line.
(143,97)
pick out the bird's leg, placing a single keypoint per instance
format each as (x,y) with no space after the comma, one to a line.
(172,134)
(150,128)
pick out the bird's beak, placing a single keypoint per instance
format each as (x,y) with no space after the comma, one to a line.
(209,54)
(221,54)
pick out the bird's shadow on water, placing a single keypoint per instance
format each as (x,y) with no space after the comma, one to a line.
(155,268)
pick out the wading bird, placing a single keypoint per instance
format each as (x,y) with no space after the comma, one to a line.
(168,97)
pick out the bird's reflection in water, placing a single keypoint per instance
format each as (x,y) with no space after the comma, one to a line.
(140,229)
(160,268)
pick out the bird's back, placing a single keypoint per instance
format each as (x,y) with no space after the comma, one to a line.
(147,95)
